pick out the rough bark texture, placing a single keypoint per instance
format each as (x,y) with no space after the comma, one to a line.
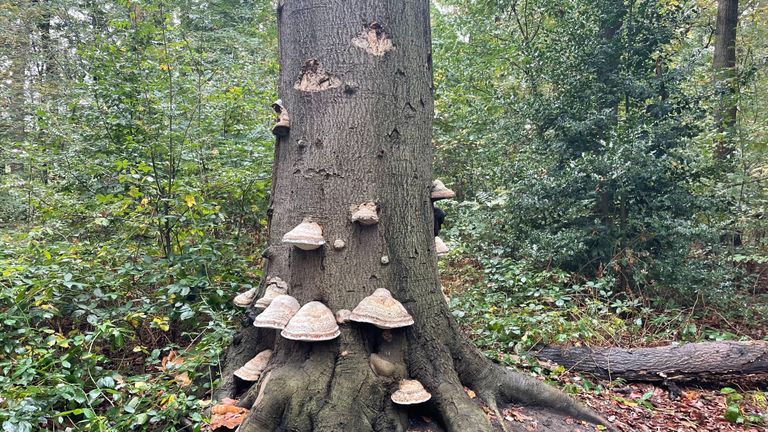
(724,66)
(356,80)
(712,362)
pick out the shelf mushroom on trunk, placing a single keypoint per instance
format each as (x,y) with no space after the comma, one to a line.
(440,247)
(275,287)
(278,313)
(440,191)
(314,322)
(410,392)
(244,299)
(365,214)
(283,125)
(381,310)
(251,371)
(307,235)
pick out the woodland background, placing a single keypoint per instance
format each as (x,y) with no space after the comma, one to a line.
(595,204)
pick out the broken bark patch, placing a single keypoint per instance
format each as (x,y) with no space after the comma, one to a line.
(374,40)
(313,78)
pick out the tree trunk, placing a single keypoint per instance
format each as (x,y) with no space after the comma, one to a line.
(726,83)
(356,80)
(708,362)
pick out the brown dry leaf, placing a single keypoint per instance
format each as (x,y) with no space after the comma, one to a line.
(516,414)
(690,395)
(228,420)
(228,409)
(183,380)
(470,393)
(172,361)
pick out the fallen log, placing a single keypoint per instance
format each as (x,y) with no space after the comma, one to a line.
(705,362)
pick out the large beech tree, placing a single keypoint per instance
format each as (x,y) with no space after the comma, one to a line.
(356,80)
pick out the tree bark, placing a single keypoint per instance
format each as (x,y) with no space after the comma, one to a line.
(725,80)
(356,80)
(707,362)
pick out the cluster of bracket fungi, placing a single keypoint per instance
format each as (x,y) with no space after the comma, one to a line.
(314,321)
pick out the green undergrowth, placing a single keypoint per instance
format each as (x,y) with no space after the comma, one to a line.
(507,307)
(89,328)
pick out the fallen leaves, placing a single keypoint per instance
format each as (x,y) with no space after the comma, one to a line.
(226,414)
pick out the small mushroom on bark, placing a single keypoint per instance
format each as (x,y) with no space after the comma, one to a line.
(410,392)
(312,323)
(440,248)
(365,214)
(439,191)
(307,235)
(381,310)
(254,367)
(283,125)
(278,313)
(244,299)
(339,244)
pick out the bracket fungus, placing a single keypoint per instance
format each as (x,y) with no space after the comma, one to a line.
(275,287)
(283,125)
(312,323)
(410,392)
(342,316)
(244,299)
(439,191)
(381,310)
(365,213)
(307,235)
(278,313)
(440,248)
(254,367)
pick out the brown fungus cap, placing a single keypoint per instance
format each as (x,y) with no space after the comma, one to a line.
(410,392)
(440,247)
(439,191)
(254,367)
(307,235)
(313,322)
(381,310)
(365,214)
(244,299)
(278,313)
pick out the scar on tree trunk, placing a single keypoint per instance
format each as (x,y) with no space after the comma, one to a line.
(356,78)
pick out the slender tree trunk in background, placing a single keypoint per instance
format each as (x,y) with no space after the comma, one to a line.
(725,80)
(356,79)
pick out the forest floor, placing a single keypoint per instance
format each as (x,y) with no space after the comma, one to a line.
(630,407)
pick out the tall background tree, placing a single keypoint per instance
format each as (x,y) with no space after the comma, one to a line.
(726,80)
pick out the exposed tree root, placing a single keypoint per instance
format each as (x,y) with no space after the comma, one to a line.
(332,386)
(496,384)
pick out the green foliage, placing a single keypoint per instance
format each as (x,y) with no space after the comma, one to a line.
(511,308)
(734,412)
(579,138)
(133,208)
